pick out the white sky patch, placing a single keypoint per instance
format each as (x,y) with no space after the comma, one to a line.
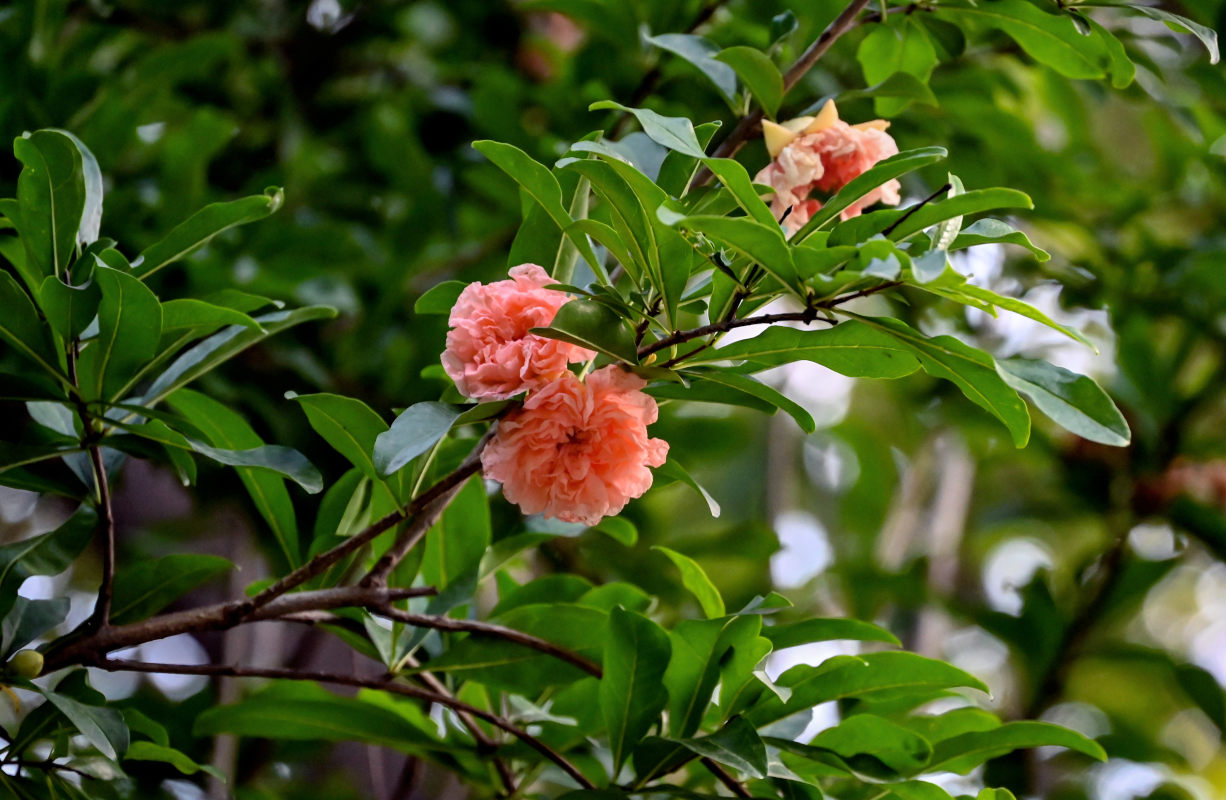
(805,549)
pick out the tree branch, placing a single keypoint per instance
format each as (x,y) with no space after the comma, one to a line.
(91,648)
(841,24)
(490,629)
(383,684)
(101,617)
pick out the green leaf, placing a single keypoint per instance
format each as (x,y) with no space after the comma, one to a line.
(46,554)
(415,431)
(737,390)
(972,371)
(899,47)
(899,85)
(103,727)
(849,348)
(129,328)
(305,712)
(736,745)
(759,74)
(963,753)
(854,676)
(224,427)
(696,582)
(883,171)
(440,299)
(764,244)
(734,176)
(673,471)
(1047,38)
(348,424)
(505,665)
(541,184)
(281,460)
(867,744)
(198,229)
(700,52)
(618,529)
(979,296)
(28,620)
(60,196)
(594,326)
(22,330)
(1075,402)
(187,315)
(149,751)
(212,352)
(146,587)
(632,692)
(1207,36)
(824,630)
(69,309)
(958,205)
(675,133)
(699,648)
(993,230)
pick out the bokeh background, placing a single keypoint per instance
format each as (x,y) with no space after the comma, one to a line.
(1086,585)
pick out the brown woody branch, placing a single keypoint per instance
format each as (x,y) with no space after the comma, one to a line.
(385,683)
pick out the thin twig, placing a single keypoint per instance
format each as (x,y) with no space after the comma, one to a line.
(106,522)
(91,648)
(841,24)
(725,778)
(894,225)
(385,683)
(723,326)
(490,629)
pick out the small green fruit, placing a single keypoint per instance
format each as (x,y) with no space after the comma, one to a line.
(26,664)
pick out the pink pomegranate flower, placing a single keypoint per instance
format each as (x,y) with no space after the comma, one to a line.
(490,353)
(827,160)
(577,451)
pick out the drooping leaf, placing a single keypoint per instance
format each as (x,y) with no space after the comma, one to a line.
(965,752)
(348,424)
(993,230)
(151,751)
(197,230)
(673,471)
(439,299)
(849,348)
(1048,38)
(632,692)
(675,133)
(696,581)
(29,619)
(1073,401)
(103,727)
(700,52)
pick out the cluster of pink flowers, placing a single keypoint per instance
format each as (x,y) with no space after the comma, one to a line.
(576,450)
(823,153)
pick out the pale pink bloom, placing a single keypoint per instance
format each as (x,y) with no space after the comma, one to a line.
(827,160)
(490,353)
(577,451)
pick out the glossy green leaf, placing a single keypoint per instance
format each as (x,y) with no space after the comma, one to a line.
(103,727)
(69,309)
(760,242)
(594,326)
(439,299)
(632,692)
(348,424)
(978,296)
(737,390)
(197,230)
(675,133)
(734,176)
(965,752)
(212,352)
(673,471)
(188,315)
(759,74)
(618,529)
(699,647)
(958,205)
(146,587)
(412,433)
(21,328)
(736,745)
(850,348)
(29,619)
(867,744)
(993,230)
(696,582)
(224,427)
(46,554)
(1073,401)
(853,676)
(700,52)
(129,328)
(1050,39)
(972,371)
(60,196)
(150,751)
